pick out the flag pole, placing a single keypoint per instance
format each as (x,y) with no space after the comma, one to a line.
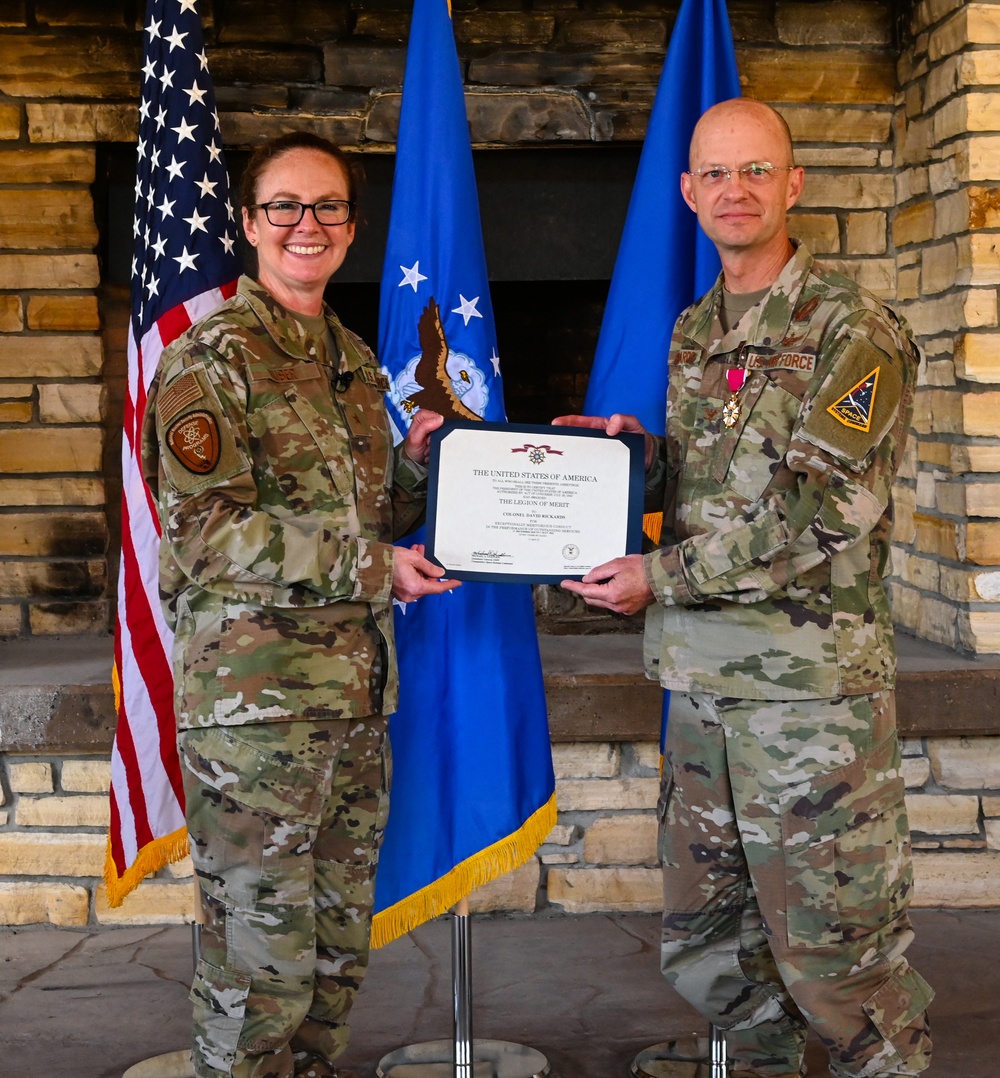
(463,1057)
(685,1057)
(461,982)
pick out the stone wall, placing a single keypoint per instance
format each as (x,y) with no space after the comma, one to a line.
(600,856)
(539,73)
(892,106)
(944,237)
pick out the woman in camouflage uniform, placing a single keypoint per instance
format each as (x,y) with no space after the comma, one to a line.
(267,444)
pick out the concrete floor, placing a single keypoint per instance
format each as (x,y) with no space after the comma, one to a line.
(585,991)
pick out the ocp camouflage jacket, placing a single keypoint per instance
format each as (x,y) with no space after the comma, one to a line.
(770,576)
(279,497)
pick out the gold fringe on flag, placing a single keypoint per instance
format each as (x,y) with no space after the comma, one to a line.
(439,897)
(652,525)
(151,858)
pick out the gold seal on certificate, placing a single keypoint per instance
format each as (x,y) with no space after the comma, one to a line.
(530,503)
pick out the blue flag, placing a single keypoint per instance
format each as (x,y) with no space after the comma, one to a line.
(473,787)
(665,262)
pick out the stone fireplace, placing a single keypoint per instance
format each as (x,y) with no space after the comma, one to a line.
(895,111)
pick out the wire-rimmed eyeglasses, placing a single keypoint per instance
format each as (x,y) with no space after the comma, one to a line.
(285,212)
(757,174)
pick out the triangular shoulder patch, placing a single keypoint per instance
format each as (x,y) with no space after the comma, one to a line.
(854,408)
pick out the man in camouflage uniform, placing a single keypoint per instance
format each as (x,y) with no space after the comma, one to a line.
(266,442)
(784,838)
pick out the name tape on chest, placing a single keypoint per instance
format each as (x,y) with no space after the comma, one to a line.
(781,361)
(854,408)
(375,378)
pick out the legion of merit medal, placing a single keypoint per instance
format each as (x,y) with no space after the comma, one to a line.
(735,377)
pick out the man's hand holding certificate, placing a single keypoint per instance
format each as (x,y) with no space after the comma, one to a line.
(531,503)
(619,585)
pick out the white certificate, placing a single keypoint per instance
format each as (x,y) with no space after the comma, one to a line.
(516,502)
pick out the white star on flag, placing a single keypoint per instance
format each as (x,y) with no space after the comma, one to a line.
(196,93)
(176,40)
(412,276)
(185,260)
(467,308)
(207,186)
(185,130)
(197,222)
(495,360)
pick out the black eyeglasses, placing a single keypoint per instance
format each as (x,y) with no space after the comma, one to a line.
(284,212)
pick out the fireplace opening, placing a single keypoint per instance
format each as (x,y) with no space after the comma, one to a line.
(552,219)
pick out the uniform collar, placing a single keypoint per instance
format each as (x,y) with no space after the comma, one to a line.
(773,313)
(288,333)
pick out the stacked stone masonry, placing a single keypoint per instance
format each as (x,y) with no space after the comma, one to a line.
(893,108)
(601,855)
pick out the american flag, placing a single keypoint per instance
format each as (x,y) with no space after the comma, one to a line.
(184,266)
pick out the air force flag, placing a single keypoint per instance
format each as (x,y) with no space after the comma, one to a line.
(473,788)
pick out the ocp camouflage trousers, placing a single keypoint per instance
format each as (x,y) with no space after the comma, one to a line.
(786,882)
(285,821)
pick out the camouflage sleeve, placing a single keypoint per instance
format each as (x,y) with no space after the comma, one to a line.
(221,531)
(830,492)
(409,493)
(656,478)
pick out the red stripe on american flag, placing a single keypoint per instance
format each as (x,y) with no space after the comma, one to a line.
(115,837)
(125,746)
(128,422)
(148,651)
(172,324)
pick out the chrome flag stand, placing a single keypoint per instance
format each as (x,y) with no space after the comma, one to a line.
(690,1057)
(463,1057)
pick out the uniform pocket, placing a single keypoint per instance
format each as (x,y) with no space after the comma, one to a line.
(219,998)
(256,814)
(899,1002)
(306,454)
(260,777)
(748,455)
(846,852)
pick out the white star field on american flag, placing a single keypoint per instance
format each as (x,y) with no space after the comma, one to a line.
(185,230)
